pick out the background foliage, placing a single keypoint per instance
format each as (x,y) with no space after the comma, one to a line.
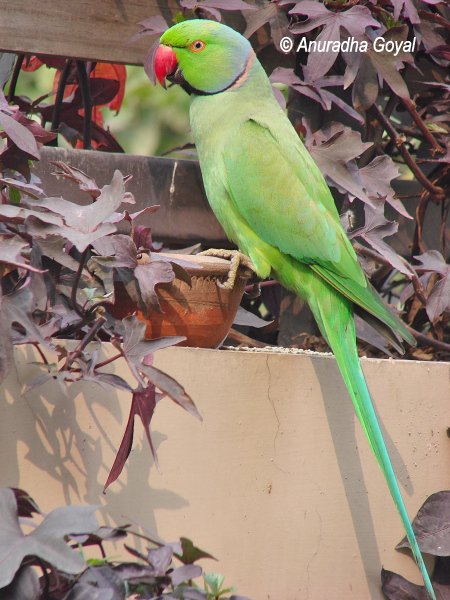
(376,123)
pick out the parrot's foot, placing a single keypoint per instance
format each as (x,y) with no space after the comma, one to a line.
(237,260)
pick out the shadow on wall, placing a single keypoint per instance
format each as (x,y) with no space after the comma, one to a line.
(60,442)
(342,422)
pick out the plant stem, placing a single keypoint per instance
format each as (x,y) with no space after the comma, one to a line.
(108,361)
(72,356)
(83,80)
(41,354)
(427,341)
(418,288)
(135,371)
(410,107)
(15,77)
(60,97)
(73,294)
(430,16)
(418,247)
(368,253)
(270,283)
(435,191)
(45,575)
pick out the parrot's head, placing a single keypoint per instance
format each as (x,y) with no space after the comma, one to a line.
(204,57)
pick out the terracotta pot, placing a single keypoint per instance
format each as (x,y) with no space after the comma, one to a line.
(202,313)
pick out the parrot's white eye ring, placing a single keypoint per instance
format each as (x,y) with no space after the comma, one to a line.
(197,46)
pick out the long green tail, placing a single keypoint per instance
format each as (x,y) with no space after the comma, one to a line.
(334,316)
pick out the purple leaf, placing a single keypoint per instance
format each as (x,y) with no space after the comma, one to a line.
(329,98)
(376,228)
(438,301)
(315,89)
(87,218)
(160,559)
(432,525)
(354,20)
(136,347)
(130,217)
(269,13)
(40,134)
(82,224)
(152,26)
(19,135)
(180,272)
(142,237)
(11,248)
(120,247)
(370,335)
(108,379)
(149,276)
(27,188)
(169,386)
(98,583)
(149,62)
(409,10)
(102,91)
(25,586)
(133,566)
(143,404)
(17,214)
(55,248)
(376,178)
(366,68)
(429,35)
(102,534)
(334,149)
(396,587)
(387,64)
(84,182)
(26,506)
(432,260)
(17,308)
(185,573)
(442,52)
(47,541)
(247,319)
(38,229)
(212,13)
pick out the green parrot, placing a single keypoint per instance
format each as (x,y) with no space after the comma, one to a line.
(274,204)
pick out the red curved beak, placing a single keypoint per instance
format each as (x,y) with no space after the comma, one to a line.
(165,63)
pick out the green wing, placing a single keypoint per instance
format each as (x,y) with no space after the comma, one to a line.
(277,188)
(274,199)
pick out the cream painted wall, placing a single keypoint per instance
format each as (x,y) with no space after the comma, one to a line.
(277,482)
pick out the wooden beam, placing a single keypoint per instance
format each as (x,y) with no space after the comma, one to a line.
(84,29)
(176,185)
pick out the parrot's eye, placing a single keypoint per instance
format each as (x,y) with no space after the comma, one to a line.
(197,46)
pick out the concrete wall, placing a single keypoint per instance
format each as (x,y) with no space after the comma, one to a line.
(277,482)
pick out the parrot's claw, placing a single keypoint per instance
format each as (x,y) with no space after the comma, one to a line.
(236,258)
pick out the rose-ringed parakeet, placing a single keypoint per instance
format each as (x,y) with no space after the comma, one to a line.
(274,204)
